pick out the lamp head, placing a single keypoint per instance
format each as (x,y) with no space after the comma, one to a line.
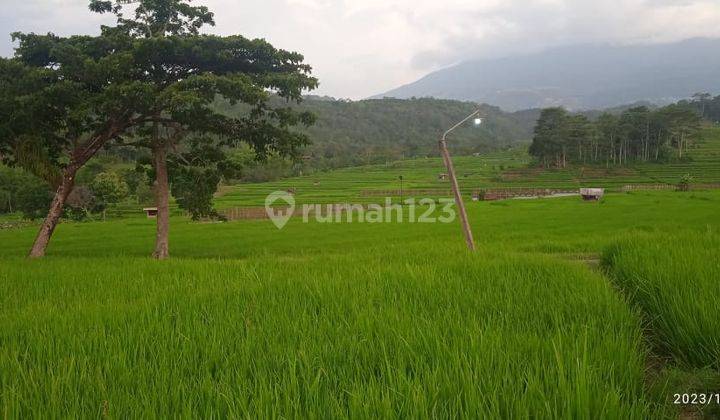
(478,121)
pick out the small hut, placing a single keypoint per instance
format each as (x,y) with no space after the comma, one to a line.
(442,177)
(592,194)
(151,212)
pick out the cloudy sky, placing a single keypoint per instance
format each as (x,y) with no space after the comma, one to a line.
(360,48)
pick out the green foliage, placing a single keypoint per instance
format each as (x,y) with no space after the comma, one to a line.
(23,192)
(153,17)
(60,89)
(638,134)
(73,87)
(193,189)
(550,136)
(503,169)
(685,181)
(134,178)
(109,188)
(34,200)
(376,131)
(274,167)
(14,185)
(706,105)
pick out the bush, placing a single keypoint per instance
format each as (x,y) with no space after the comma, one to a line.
(14,185)
(685,182)
(108,189)
(34,201)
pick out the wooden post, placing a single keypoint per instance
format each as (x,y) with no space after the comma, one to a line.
(458,197)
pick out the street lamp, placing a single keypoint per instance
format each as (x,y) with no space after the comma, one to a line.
(453,179)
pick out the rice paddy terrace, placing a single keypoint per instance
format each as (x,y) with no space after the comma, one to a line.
(504,169)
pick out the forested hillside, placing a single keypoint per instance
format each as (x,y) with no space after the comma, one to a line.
(372,131)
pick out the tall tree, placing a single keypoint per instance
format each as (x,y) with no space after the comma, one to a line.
(578,137)
(702,99)
(607,126)
(63,99)
(188,73)
(549,142)
(685,125)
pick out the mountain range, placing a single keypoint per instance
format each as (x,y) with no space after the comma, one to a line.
(578,77)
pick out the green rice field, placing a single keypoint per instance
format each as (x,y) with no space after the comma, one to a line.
(675,280)
(569,309)
(351,320)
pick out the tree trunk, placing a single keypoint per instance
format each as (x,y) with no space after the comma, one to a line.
(56,208)
(80,157)
(162,198)
(680,149)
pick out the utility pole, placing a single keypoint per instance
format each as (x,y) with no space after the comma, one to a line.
(453,179)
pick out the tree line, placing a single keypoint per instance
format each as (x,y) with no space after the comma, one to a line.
(706,105)
(638,134)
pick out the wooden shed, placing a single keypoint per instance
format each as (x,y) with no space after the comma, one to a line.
(151,212)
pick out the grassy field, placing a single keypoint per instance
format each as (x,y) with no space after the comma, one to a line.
(338,320)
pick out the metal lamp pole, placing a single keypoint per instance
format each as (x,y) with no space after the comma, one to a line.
(453,179)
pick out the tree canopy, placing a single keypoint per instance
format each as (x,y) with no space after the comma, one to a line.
(637,134)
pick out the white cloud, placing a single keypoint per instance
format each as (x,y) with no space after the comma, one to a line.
(362,47)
